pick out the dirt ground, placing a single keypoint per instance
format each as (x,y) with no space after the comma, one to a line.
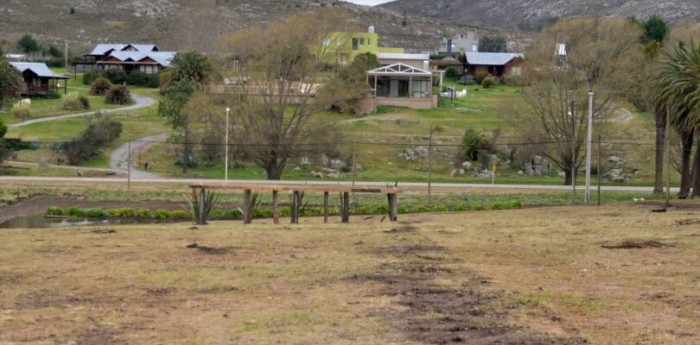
(621,274)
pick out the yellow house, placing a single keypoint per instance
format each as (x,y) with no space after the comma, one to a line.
(348,45)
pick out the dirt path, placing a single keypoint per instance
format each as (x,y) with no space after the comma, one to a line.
(139,102)
(119,158)
(422,276)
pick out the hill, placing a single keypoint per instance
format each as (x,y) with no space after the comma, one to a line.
(182,24)
(534,14)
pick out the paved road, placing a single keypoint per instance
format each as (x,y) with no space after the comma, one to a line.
(118,159)
(140,102)
(416,185)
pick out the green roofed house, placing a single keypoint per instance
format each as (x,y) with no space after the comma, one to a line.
(38,78)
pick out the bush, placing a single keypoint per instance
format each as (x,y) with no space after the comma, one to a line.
(74,212)
(144,213)
(56,63)
(180,214)
(74,102)
(118,94)
(515,81)
(488,82)
(127,212)
(90,76)
(52,94)
(116,75)
(451,73)
(21,112)
(467,79)
(100,86)
(439,208)
(161,214)
(139,78)
(113,212)
(54,211)
(96,213)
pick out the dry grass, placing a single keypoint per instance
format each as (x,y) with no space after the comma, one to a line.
(514,276)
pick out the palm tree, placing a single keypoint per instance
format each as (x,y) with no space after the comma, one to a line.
(679,92)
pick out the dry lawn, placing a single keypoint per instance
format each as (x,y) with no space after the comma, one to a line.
(531,276)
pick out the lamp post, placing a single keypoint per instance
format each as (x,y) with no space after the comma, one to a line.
(589,138)
(228,112)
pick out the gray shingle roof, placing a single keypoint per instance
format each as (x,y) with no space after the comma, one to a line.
(162,58)
(491,59)
(39,68)
(104,48)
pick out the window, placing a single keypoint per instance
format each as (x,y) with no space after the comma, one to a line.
(362,41)
(355,42)
(517,71)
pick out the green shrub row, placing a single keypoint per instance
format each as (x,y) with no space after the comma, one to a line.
(128,212)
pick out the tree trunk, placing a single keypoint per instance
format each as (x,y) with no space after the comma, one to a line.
(696,173)
(660,147)
(687,146)
(568,176)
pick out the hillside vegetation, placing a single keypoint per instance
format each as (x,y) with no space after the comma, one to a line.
(190,24)
(533,14)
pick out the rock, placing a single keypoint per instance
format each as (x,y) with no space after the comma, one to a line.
(561,174)
(110,172)
(617,172)
(43,162)
(297,168)
(317,174)
(520,173)
(461,171)
(369,152)
(408,155)
(79,173)
(453,172)
(334,175)
(494,159)
(324,161)
(338,164)
(305,161)
(617,179)
(467,165)
(537,160)
(358,167)
(483,174)
(615,160)
(422,151)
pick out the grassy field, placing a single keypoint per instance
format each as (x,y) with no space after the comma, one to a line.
(535,276)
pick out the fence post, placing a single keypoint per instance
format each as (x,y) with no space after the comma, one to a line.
(128,172)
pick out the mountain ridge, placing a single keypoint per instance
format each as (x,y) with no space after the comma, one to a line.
(532,15)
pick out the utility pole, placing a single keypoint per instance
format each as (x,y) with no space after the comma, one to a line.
(65,54)
(573,151)
(228,111)
(668,156)
(589,139)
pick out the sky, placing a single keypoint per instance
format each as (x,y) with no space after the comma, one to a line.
(367,2)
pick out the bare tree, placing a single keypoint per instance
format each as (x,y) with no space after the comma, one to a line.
(599,57)
(276,84)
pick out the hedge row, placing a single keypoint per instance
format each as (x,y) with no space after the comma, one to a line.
(267,213)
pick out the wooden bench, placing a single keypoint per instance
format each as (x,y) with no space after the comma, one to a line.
(199,191)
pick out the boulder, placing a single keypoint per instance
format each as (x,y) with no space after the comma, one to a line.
(305,162)
(467,165)
(615,160)
(422,151)
(316,174)
(324,161)
(453,172)
(334,175)
(537,160)
(110,172)
(43,162)
(520,173)
(338,164)
(461,171)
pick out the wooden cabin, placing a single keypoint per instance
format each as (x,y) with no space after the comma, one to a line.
(39,79)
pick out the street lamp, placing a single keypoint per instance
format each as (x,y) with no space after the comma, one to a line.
(587,195)
(228,112)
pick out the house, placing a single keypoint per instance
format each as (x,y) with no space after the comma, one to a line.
(421,61)
(146,58)
(400,85)
(495,64)
(463,43)
(348,45)
(38,78)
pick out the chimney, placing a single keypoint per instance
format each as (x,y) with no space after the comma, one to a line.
(371,29)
